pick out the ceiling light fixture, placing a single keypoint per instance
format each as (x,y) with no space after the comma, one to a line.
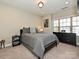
(66,2)
(40,4)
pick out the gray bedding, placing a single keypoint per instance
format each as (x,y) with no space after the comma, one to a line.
(36,41)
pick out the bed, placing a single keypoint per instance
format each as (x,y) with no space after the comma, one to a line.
(39,43)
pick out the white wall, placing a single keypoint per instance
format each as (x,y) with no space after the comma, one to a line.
(13,19)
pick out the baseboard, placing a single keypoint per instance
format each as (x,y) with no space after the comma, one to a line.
(77,44)
(8,45)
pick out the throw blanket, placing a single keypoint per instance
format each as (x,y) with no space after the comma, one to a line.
(36,41)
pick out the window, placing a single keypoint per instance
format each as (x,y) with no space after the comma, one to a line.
(65,24)
(56,25)
(75,25)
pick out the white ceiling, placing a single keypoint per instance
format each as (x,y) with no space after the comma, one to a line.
(50,7)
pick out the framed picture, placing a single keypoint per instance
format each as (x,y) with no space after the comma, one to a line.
(46,23)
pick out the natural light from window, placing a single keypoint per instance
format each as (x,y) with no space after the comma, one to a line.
(65,25)
(68,25)
(75,25)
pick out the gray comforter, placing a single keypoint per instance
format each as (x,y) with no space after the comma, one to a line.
(36,42)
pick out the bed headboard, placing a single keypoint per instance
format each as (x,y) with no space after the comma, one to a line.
(21,31)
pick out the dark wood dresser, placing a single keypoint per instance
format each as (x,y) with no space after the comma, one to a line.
(69,38)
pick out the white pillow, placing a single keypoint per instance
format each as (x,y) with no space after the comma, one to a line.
(32,30)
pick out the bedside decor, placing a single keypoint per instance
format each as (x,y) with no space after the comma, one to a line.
(41,30)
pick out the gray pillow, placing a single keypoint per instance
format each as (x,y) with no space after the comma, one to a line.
(26,30)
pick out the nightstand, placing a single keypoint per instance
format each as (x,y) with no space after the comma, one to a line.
(16,40)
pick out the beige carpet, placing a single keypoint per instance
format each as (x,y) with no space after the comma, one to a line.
(63,51)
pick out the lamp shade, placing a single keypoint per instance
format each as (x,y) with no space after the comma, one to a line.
(41,30)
